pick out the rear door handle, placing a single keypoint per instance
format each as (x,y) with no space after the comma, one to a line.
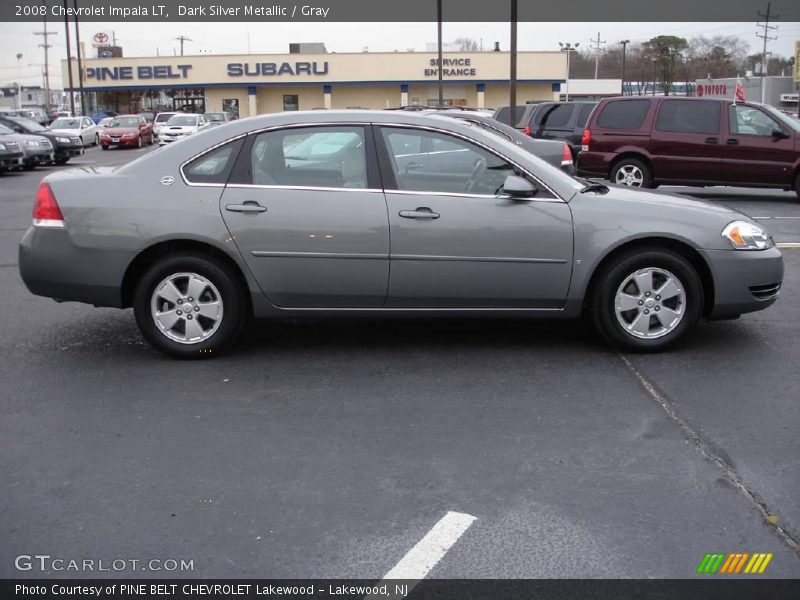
(249,206)
(423,212)
(712,140)
(732,142)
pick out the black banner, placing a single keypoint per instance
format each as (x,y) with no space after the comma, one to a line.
(429,589)
(395,11)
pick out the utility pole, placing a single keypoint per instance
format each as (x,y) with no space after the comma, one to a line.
(19,82)
(765,36)
(183,39)
(597,45)
(512,119)
(45,44)
(69,62)
(80,57)
(439,47)
(624,45)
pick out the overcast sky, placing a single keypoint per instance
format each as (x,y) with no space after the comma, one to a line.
(148,39)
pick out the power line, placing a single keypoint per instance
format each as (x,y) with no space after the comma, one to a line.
(45,44)
(766,37)
(183,39)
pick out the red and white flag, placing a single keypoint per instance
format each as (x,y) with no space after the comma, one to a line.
(738,94)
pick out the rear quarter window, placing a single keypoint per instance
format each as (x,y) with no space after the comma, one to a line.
(554,115)
(583,116)
(628,114)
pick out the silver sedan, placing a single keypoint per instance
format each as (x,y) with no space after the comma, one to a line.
(374,213)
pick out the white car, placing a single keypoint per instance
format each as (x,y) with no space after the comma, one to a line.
(180,126)
(102,124)
(161,120)
(82,127)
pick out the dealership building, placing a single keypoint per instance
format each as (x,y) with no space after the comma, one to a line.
(258,84)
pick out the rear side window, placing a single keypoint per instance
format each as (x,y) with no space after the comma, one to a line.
(628,114)
(556,115)
(502,114)
(687,116)
(214,166)
(583,116)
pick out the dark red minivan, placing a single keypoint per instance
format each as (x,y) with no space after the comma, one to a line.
(645,142)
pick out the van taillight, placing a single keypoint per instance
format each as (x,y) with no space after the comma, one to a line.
(46,212)
(527,130)
(586,139)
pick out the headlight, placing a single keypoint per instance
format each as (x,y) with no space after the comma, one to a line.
(129,135)
(2,146)
(62,140)
(746,236)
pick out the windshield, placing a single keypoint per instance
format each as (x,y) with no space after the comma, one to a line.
(182,121)
(782,117)
(164,117)
(124,122)
(104,122)
(215,116)
(29,125)
(5,130)
(66,124)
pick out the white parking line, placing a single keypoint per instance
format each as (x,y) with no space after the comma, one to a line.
(786,245)
(419,561)
(776,217)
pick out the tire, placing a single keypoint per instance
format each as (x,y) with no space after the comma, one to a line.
(61,161)
(631,172)
(96,139)
(29,166)
(217,327)
(104,147)
(642,327)
(797,185)
(139,142)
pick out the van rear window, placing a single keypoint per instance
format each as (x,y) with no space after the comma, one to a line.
(627,114)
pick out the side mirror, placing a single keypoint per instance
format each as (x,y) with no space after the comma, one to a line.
(779,134)
(517,187)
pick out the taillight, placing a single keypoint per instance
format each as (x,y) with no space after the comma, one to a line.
(46,212)
(586,140)
(527,130)
(566,156)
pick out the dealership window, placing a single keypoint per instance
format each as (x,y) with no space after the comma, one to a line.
(310,156)
(689,116)
(426,161)
(291,102)
(746,120)
(623,114)
(231,106)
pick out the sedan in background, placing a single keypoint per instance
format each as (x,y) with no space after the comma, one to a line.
(63,147)
(379,233)
(160,122)
(35,149)
(180,126)
(215,119)
(98,115)
(83,127)
(127,131)
(11,153)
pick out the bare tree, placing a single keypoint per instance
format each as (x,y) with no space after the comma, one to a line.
(466,44)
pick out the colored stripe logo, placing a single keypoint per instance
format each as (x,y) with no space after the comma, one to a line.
(736,562)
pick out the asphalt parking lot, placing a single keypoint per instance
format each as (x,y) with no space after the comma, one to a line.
(330,448)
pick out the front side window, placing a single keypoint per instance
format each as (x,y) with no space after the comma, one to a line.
(427,161)
(331,157)
(625,114)
(689,116)
(747,120)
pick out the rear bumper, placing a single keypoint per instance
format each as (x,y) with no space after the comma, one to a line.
(744,281)
(51,265)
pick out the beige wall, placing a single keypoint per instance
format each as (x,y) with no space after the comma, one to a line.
(347,67)
(270,99)
(215,96)
(497,95)
(373,96)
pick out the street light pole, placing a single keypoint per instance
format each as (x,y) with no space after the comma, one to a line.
(624,45)
(513,66)
(569,49)
(440,82)
(19,81)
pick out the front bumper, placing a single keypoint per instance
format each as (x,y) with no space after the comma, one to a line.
(744,281)
(119,143)
(51,265)
(10,160)
(64,151)
(38,156)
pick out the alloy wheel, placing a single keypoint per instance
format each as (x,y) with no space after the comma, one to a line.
(650,303)
(186,308)
(629,175)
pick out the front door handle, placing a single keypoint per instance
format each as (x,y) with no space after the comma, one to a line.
(423,212)
(248,206)
(732,142)
(712,140)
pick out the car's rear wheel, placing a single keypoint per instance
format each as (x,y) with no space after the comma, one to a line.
(631,172)
(189,306)
(797,185)
(139,141)
(646,300)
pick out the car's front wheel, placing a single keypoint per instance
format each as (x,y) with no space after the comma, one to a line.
(631,172)
(646,300)
(189,306)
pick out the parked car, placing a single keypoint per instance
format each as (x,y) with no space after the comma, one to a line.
(509,236)
(558,121)
(11,153)
(557,154)
(215,119)
(644,142)
(83,127)
(503,114)
(130,131)
(160,121)
(180,126)
(148,116)
(36,150)
(38,115)
(98,115)
(64,147)
(102,124)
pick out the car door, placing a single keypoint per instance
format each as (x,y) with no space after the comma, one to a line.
(758,149)
(313,232)
(457,241)
(88,131)
(686,142)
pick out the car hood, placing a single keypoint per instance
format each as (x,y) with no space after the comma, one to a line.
(120,130)
(661,202)
(178,128)
(20,138)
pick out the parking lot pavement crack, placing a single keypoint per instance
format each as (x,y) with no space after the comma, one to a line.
(711,452)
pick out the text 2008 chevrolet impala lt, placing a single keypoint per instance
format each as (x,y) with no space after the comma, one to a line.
(380,213)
